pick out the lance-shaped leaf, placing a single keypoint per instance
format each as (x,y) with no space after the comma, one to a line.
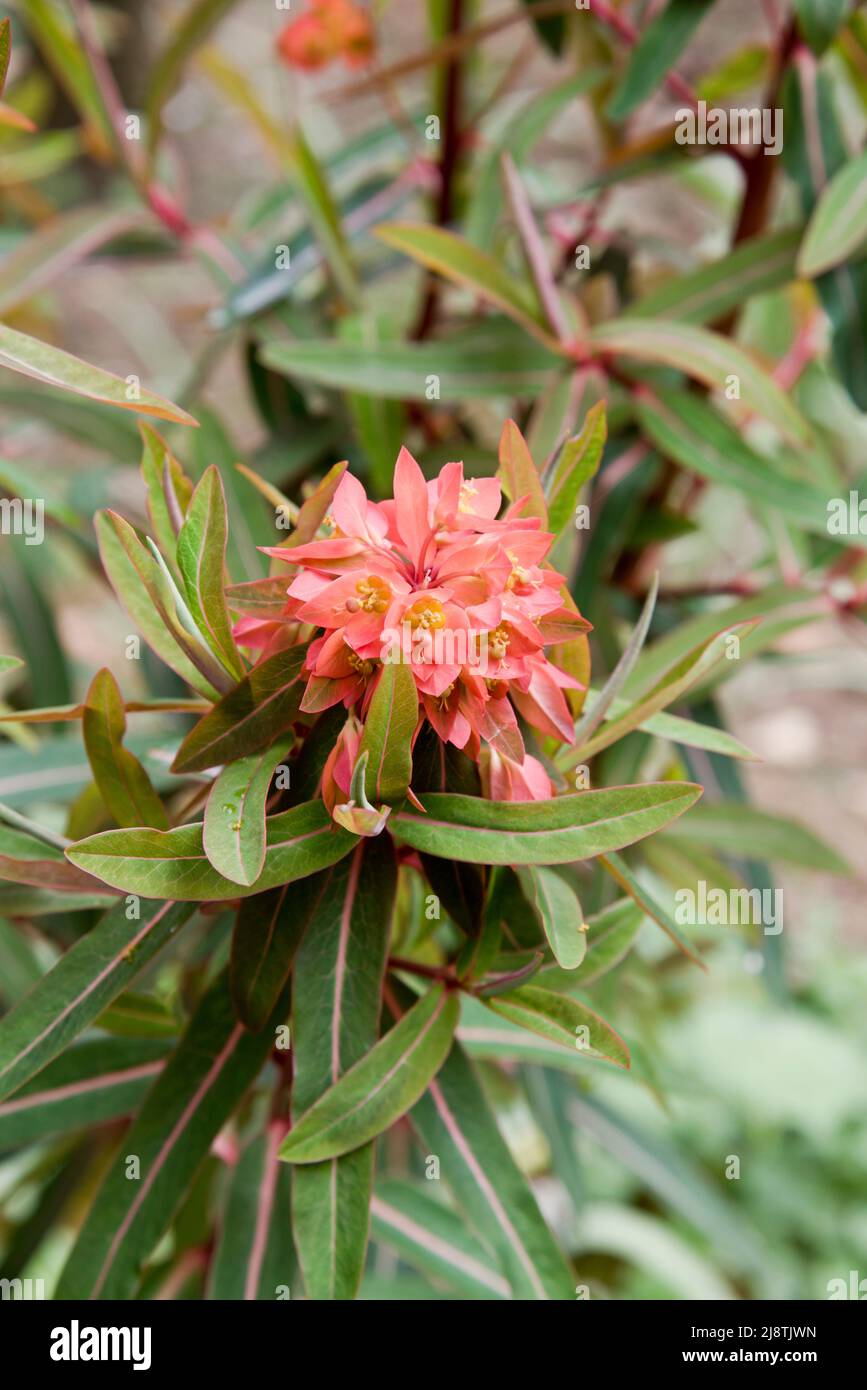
(820,20)
(123,783)
(376,1091)
(611,934)
(402,371)
(94,1081)
(732,828)
(561,1020)
(623,875)
(519,474)
(578,461)
(268,930)
(756,266)
(559,831)
(593,717)
(688,672)
(254,1258)
(559,911)
(52,365)
(709,358)
(233,834)
(249,717)
(26,859)
(93,972)
(58,245)
(202,561)
(203,1081)
(136,579)
(297,843)
(449,255)
(657,50)
(388,731)
(434,1239)
(456,1124)
(336,1001)
(838,226)
(191,31)
(168,489)
(697,437)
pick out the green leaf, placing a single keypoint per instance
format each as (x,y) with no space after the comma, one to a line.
(94,1081)
(58,41)
(520,136)
(708,358)
(622,874)
(403,371)
(93,972)
(693,434)
(202,561)
(249,717)
(688,672)
(203,1081)
(254,1258)
(457,260)
(838,226)
(611,934)
(656,52)
(123,783)
(592,717)
(559,911)
(55,367)
(667,651)
(820,20)
(298,842)
(732,828)
(313,186)
(388,733)
(233,832)
(758,265)
(377,1090)
(456,1123)
(193,28)
(268,930)
(577,463)
(519,474)
(561,1020)
(136,579)
(26,859)
(161,472)
(560,831)
(337,988)
(434,1239)
(57,245)
(10,663)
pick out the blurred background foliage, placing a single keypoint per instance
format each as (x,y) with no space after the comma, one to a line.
(231,256)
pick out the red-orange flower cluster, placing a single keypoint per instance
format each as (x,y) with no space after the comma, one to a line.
(329,29)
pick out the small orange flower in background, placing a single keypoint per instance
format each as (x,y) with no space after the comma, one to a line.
(329,29)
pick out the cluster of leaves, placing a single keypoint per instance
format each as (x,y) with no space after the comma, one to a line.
(355,983)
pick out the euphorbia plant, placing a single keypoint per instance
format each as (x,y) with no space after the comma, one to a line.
(381,785)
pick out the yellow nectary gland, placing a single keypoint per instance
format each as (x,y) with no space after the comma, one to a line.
(498,642)
(358,663)
(374,595)
(427,613)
